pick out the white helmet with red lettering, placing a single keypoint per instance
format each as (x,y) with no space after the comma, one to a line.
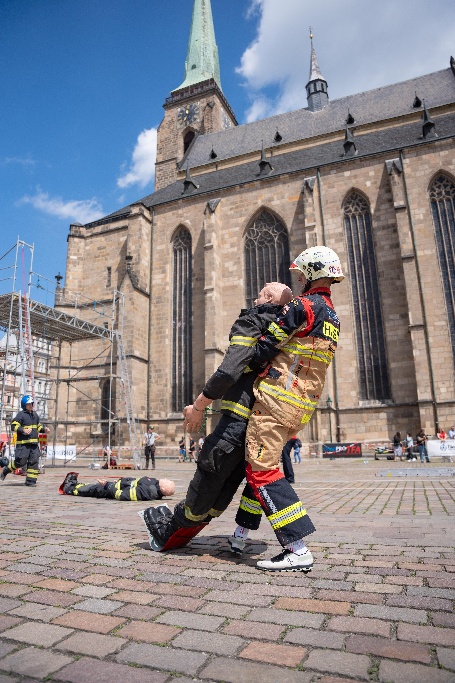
(318,262)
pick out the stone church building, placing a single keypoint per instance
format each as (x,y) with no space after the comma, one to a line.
(371,175)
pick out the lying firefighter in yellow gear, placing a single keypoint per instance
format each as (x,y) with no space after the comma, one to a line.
(299,346)
(125,488)
(27,426)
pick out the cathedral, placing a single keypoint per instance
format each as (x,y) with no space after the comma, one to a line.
(371,175)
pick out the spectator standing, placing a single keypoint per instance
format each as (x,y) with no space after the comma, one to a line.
(452,432)
(421,440)
(200,443)
(192,449)
(409,441)
(397,447)
(182,450)
(442,436)
(297,447)
(150,439)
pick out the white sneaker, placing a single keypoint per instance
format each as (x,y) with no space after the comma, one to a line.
(287,561)
(237,545)
(414,460)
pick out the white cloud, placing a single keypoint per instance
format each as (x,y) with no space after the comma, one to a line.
(81,211)
(142,167)
(360,46)
(21,161)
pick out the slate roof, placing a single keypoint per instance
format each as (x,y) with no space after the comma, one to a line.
(389,141)
(366,107)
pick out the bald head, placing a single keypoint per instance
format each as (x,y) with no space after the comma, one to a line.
(167,487)
(274,293)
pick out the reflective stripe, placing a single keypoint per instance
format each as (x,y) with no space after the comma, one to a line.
(75,490)
(247,369)
(277,332)
(236,408)
(287,516)
(215,513)
(238,340)
(133,489)
(15,426)
(193,518)
(19,443)
(250,505)
(311,354)
(287,396)
(118,490)
(32,474)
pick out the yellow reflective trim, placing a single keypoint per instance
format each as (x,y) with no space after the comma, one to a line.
(194,518)
(24,441)
(289,520)
(250,506)
(306,418)
(247,369)
(15,426)
(238,340)
(214,513)
(299,350)
(287,396)
(330,331)
(236,408)
(118,490)
(75,490)
(32,475)
(277,332)
(286,516)
(133,490)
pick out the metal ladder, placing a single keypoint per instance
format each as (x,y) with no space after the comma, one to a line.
(125,384)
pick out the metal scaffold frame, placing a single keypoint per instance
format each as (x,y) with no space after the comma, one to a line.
(28,319)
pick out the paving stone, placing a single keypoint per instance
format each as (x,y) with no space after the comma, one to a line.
(179,602)
(32,610)
(384,647)
(196,620)
(426,634)
(54,598)
(238,598)
(446,657)
(88,670)
(57,585)
(97,579)
(7,604)
(279,616)
(443,619)
(339,662)
(169,659)
(223,609)
(32,661)
(247,630)
(350,596)
(419,602)
(93,591)
(285,655)
(99,606)
(308,636)
(238,671)
(137,612)
(13,590)
(396,672)
(414,616)
(217,643)
(135,597)
(37,634)
(148,632)
(377,588)
(6,648)
(98,623)
(7,622)
(92,644)
(374,627)
(304,605)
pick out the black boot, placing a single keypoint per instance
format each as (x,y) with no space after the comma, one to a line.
(161,523)
(5,471)
(68,484)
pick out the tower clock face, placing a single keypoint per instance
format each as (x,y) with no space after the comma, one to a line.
(188,114)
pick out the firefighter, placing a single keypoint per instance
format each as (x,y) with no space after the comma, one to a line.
(125,488)
(221,462)
(27,426)
(299,347)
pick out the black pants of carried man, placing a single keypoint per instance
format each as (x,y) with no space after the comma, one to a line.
(26,455)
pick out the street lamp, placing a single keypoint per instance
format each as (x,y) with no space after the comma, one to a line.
(329,409)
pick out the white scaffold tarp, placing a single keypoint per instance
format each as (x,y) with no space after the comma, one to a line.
(443,449)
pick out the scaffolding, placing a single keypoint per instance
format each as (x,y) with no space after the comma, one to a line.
(28,319)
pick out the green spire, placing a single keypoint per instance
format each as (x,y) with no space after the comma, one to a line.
(202,60)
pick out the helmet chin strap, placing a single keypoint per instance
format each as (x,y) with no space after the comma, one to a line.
(307,287)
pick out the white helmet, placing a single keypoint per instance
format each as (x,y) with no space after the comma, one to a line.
(318,262)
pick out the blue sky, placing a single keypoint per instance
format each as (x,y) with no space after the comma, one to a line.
(83,82)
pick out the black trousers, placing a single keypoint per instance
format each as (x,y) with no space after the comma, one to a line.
(219,472)
(27,455)
(288,470)
(149,452)
(90,491)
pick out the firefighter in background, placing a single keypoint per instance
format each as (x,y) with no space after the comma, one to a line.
(299,347)
(125,488)
(26,426)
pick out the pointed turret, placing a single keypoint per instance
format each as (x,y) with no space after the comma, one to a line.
(316,88)
(202,61)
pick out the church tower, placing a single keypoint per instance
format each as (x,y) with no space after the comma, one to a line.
(198,105)
(316,88)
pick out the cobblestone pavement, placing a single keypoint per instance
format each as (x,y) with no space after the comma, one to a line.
(83,599)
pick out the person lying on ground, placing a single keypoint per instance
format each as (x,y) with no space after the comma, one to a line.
(125,488)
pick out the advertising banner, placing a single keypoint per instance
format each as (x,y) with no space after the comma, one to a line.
(67,453)
(442,449)
(341,450)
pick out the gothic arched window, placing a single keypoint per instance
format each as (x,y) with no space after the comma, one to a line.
(266,254)
(188,139)
(442,198)
(368,323)
(182,377)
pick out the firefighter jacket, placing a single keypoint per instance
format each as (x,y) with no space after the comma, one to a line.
(129,488)
(302,342)
(234,378)
(23,420)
